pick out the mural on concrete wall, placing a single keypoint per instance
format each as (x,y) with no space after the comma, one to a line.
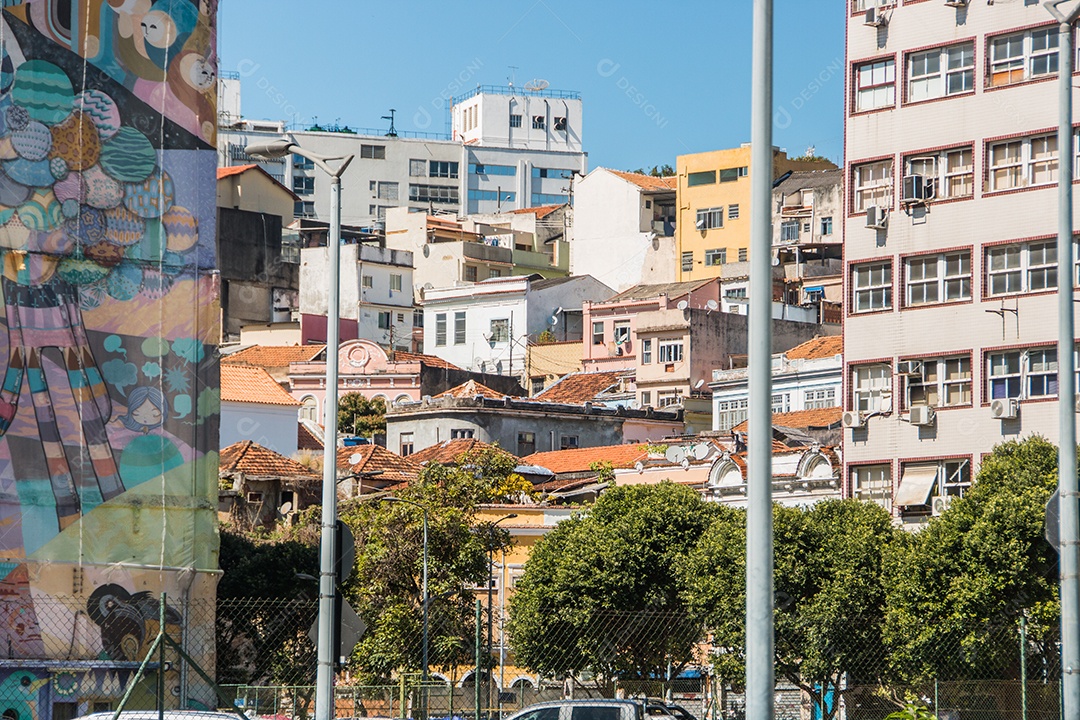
(108,393)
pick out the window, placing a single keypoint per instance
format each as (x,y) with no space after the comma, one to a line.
(1042,367)
(461,433)
(940,383)
(1024,267)
(470,273)
(388,191)
(821,398)
(742,254)
(646,352)
(418,318)
(547,199)
(780,403)
(688,261)
(568,442)
(406,446)
(622,332)
(492,195)
(309,409)
(938,278)
(378,211)
(559,173)
(401,317)
(367,282)
(494,272)
(395,283)
(873,185)
(733,174)
(941,72)
(1023,55)
(443,194)
(538,122)
(598,332)
(873,286)
(646,398)
(872,386)
(418,168)
(299,162)
(443,169)
(560,124)
(384,320)
(732,212)
(789,231)
(826,225)
(373,152)
(670,351)
(500,330)
(1022,374)
(709,218)
(526,443)
(515,121)
(254,497)
(950,172)
(730,413)
(459,328)
(716,256)
(303,185)
(872,483)
(875,85)
(705,177)
(478,169)
(1023,162)
(304,208)
(667,398)
(440,330)
(537,385)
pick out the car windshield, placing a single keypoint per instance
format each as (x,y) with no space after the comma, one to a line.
(595,712)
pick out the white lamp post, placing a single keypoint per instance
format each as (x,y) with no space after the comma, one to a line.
(324,681)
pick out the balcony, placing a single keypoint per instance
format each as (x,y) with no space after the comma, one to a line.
(487,253)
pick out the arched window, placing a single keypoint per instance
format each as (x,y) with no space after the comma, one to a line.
(309,409)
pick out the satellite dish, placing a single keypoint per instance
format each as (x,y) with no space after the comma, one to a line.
(655,243)
(285,509)
(712,305)
(429,286)
(355,459)
(683,305)
(612,349)
(639,466)
(479,362)
(698,384)
(488,336)
(536,85)
(554,319)
(775,259)
(701,451)
(675,454)
(558,310)
(685,464)
(427,251)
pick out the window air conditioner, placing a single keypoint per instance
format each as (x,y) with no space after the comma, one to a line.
(916,189)
(940,503)
(909,367)
(921,415)
(1004,409)
(875,18)
(853,419)
(956,3)
(876,217)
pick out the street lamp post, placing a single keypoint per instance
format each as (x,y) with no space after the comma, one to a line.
(490,603)
(324,680)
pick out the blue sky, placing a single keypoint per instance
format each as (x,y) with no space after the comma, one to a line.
(657,79)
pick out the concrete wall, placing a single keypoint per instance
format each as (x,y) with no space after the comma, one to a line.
(272,426)
(492,111)
(255,192)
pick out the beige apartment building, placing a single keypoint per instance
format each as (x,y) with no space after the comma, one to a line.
(949,243)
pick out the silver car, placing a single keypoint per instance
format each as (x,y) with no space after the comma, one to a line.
(582,710)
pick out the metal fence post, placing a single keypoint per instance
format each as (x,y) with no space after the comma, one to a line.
(1023,668)
(476,673)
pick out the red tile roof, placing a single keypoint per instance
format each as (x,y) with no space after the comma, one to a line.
(224,172)
(375,458)
(471,389)
(579,387)
(575,461)
(429,360)
(252,459)
(818,348)
(274,356)
(449,451)
(250,384)
(801,419)
(540,211)
(307,440)
(647,182)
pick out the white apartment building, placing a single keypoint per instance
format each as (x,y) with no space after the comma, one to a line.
(949,243)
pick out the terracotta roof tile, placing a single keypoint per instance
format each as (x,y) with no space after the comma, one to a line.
(250,458)
(471,389)
(800,419)
(274,356)
(448,451)
(540,211)
(820,347)
(671,290)
(579,387)
(429,360)
(375,458)
(647,182)
(250,384)
(307,440)
(578,460)
(224,172)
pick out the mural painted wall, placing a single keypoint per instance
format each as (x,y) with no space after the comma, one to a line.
(109,396)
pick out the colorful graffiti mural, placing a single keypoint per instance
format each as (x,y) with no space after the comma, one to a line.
(108,384)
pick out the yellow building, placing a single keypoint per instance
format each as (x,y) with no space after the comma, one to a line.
(713,198)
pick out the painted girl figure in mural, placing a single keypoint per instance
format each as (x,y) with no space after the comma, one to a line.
(147,410)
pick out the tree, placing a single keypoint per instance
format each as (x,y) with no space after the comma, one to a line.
(358,415)
(830,601)
(599,592)
(956,588)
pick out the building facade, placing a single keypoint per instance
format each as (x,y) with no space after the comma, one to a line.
(949,237)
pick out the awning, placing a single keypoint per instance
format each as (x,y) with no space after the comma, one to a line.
(916,484)
(815,288)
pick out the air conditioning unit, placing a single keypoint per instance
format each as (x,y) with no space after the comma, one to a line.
(876,217)
(909,367)
(1078,402)
(916,189)
(1004,409)
(853,419)
(956,3)
(940,503)
(875,18)
(921,415)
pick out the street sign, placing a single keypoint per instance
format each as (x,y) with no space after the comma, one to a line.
(1053,521)
(346,554)
(351,628)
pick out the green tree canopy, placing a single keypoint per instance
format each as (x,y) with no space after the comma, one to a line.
(600,593)
(359,416)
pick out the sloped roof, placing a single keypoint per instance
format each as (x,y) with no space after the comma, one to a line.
(579,387)
(471,389)
(429,360)
(250,384)
(647,182)
(810,179)
(800,419)
(819,348)
(448,451)
(306,439)
(375,458)
(578,460)
(643,292)
(234,170)
(540,211)
(274,356)
(251,458)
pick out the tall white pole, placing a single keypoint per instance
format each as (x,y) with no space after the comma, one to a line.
(759,527)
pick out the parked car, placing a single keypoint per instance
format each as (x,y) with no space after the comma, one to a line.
(582,710)
(657,708)
(169,715)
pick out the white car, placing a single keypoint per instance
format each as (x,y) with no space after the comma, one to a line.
(582,710)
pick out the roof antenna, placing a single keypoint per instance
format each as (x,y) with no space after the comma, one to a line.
(513,73)
(392,132)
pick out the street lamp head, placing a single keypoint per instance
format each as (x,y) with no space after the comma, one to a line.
(271,150)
